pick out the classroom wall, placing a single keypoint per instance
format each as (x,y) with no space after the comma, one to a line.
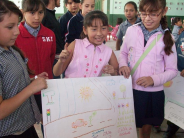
(115,9)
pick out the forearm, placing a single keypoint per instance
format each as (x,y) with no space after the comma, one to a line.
(8,106)
(58,68)
(118,44)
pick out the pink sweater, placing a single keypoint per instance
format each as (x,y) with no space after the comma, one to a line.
(157,64)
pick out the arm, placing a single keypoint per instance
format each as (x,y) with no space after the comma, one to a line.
(6,106)
(64,59)
(170,69)
(71,34)
(114,63)
(118,44)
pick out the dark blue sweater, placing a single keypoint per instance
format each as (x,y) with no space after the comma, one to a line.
(74,27)
(63,20)
(180,51)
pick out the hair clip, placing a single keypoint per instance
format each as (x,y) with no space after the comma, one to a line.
(166,30)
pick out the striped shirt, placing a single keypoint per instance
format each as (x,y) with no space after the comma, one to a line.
(13,79)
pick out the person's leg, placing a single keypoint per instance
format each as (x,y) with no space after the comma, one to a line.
(171,130)
(145,131)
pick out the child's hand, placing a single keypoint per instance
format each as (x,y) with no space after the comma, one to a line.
(182,73)
(37,85)
(43,75)
(108,69)
(125,71)
(64,54)
(145,81)
(180,31)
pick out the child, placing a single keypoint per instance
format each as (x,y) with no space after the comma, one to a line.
(172,128)
(73,7)
(158,67)
(177,23)
(18,109)
(76,22)
(52,23)
(88,57)
(115,29)
(36,41)
(130,10)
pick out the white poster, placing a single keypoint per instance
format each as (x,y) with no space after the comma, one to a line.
(174,90)
(100,107)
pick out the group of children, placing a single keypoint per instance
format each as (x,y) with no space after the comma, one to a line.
(84,57)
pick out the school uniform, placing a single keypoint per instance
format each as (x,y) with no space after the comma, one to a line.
(14,78)
(88,60)
(148,102)
(123,27)
(39,48)
(175,32)
(74,28)
(63,21)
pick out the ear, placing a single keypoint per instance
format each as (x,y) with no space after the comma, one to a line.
(85,31)
(80,6)
(165,11)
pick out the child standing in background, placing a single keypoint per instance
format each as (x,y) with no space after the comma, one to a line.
(130,10)
(73,7)
(149,73)
(18,109)
(36,41)
(177,23)
(115,29)
(88,57)
(76,22)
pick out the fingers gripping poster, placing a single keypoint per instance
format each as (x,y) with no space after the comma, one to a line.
(89,108)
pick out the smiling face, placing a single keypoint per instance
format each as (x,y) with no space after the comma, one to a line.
(34,18)
(9,30)
(151,23)
(96,33)
(87,6)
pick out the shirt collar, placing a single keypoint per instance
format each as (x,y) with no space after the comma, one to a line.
(3,50)
(87,44)
(137,20)
(30,29)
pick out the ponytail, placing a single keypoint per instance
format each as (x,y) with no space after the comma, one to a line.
(22,55)
(168,40)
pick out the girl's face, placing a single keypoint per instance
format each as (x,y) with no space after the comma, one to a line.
(151,20)
(87,6)
(130,12)
(34,18)
(96,33)
(9,30)
(179,23)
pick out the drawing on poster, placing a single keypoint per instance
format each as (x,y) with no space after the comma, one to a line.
(89,107)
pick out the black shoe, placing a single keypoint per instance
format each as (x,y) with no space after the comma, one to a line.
(156,129)
(168,135)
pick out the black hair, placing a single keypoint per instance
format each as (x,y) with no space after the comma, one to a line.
(156,5)
(8,7)
(119,21)
(92,15)
(133,3)
(175,20)
(76,1)
(32,5)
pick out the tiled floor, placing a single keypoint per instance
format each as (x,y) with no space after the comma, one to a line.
(179,134)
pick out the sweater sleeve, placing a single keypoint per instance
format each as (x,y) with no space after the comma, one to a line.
(53,50)
(123,56)
(170,69)
(71,34)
